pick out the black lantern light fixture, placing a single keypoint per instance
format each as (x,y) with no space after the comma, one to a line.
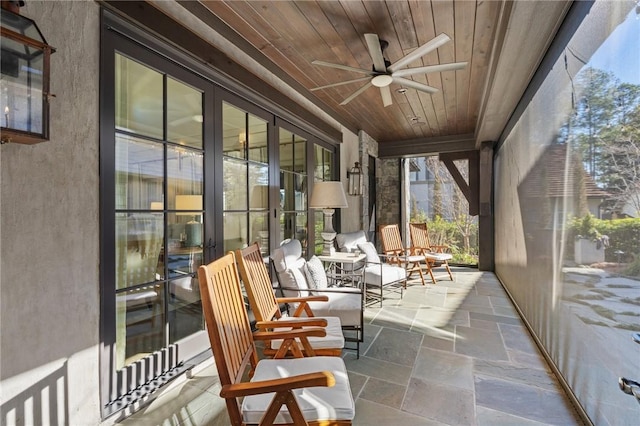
(24,78)
(355,180)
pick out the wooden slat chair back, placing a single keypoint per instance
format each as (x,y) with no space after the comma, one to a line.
(266,308)
(257,283)
(435,254)
(232,343)
(228,325)
(397,253)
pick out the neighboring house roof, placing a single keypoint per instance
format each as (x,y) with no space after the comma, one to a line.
(547,178)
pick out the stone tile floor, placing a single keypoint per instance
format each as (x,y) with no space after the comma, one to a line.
(455,353)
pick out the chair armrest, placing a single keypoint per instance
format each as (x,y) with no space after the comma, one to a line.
(307,322)
(320,378)
(292,340)
(301,299)
(290,334)
(439,249)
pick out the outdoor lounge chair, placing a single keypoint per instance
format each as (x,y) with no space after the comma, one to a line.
(266,307)
(346,303)
(435,255)
(400,255)
(377,274)
(311,390)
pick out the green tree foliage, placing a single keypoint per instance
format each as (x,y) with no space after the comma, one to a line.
(605,130)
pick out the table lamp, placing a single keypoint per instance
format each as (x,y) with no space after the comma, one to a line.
(193,228)
(328,196)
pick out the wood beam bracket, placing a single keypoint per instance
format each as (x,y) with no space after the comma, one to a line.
(471,189)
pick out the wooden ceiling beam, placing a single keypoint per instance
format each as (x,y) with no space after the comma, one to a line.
(421,147)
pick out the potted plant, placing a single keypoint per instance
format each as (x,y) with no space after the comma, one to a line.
(588,247)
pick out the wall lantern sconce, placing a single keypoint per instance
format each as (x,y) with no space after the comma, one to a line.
(355,180)
(24,78)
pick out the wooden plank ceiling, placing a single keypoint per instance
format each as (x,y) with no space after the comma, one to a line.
(292,34)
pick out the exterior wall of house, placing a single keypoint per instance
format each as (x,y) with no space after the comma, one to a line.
(49,239)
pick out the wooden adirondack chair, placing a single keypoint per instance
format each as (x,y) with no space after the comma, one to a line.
(266,307)
(275,383)
(436,255)
(398,254)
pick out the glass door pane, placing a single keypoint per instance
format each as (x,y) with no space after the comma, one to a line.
(246,179)
(324,165)
(158,189)
(293,187)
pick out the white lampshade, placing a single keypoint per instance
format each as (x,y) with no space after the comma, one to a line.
(188,202)
(193,228)
(328,195)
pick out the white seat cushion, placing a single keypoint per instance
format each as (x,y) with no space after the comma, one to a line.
(316,403)
(413,258)
(376,275)
(334,338)
(439,257)
(346,305)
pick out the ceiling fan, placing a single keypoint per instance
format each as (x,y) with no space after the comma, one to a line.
(384,73)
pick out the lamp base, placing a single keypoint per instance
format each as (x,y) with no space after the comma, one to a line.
(327,248)
(194,234)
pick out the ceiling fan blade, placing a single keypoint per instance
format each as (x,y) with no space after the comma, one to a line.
(415,85)
(420,51)
(373,43)
(356,93)
(385,92)
(342,67)
(430,68)
(340,84)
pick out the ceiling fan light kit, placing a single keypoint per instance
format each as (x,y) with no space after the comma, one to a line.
(384,72)
(382,80)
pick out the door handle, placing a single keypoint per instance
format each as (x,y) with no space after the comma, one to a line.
(630,387)
(210,246)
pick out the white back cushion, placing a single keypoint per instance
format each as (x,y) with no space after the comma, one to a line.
(290,265)
(349,241)
(369,250)
(315,274)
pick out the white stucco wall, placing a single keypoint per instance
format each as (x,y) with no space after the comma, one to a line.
(49,238)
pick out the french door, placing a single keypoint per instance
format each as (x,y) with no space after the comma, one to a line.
(157,135)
